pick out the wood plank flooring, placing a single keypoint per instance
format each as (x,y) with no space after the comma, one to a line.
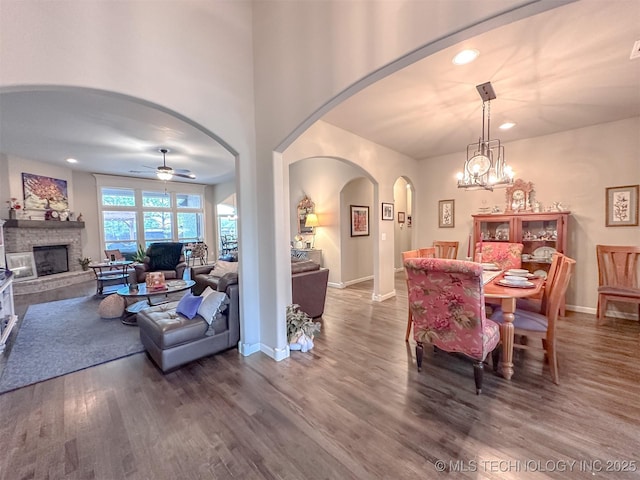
(355,407)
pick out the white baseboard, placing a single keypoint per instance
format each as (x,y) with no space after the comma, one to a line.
(336,285)
(276,353)
(357,280)
(382,298)
(609,313)
(247,349)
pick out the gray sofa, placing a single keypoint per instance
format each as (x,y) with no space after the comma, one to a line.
(172,340)
(308,284)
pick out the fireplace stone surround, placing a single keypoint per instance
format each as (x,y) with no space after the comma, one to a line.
(23,235)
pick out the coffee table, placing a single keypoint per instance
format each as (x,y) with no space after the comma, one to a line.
(129,314)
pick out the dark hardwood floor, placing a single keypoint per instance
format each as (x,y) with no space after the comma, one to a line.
(353,407)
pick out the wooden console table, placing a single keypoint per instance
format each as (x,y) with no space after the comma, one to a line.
(308,254)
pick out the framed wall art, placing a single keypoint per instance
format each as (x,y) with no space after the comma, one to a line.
(387,211)
(44,193)
(446,214)
(23,265)
(622,206)
(359,221)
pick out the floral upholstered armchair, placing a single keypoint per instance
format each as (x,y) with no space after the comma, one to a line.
(446,299)
(504,254)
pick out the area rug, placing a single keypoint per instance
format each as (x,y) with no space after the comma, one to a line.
(61,337)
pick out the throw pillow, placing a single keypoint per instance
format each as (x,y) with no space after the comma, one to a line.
(215,303)
(188,305)
(206,292)
(221,267)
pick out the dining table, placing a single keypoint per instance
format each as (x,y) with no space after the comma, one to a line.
(507,297)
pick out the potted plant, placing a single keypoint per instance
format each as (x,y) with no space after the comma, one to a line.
(300,329)
(84,262)
(139,255)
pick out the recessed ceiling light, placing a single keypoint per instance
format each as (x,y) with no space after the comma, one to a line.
(466,56)
(507,125)
(72,160)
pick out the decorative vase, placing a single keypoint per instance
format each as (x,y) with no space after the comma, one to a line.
(85,267)
(12,214)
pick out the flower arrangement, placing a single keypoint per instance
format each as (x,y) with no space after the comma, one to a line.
(14,204)
(84,262)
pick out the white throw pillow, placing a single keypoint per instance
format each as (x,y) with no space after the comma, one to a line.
(221,267)
(214,303)
(206,292)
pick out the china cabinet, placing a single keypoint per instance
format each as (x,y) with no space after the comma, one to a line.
(540,233)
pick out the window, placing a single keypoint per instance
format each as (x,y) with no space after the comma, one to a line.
(132,217)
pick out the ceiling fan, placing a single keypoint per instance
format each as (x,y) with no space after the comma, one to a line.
(163,172)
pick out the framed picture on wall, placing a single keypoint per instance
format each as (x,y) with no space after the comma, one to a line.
(23,265)
(446,214)
(400,217)
(622,206)
(387,211)
(359,221)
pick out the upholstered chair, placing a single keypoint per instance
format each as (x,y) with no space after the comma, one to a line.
(163,257)
(542,326)
(446,299)
(504,254)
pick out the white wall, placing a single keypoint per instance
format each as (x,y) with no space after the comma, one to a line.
(382,166)
(357,257)
(573,167)
(322,179)
(402,232)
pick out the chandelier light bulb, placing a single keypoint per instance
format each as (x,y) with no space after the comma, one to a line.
(459,176)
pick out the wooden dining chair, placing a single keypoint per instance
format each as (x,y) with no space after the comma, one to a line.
(114,255)
(539,304)
(406,255)
(617,276)
(542,325)
(426,252)
(446,249)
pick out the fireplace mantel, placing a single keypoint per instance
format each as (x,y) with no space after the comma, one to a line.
(56,224)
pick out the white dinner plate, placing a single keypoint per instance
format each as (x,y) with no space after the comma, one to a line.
(518,272)
(544,252)
(490,267)
(540,273)
(514,279)
(525,284)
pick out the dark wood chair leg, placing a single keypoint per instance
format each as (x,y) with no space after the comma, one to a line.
(478,370)
(495,357)
(419,352)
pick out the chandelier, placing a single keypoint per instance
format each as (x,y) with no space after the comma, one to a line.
(485,167)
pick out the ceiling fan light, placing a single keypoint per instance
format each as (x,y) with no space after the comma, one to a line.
(164,175)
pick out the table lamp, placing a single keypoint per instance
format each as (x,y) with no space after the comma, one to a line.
(312,221)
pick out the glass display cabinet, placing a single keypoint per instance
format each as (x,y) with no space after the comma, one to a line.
(540,233)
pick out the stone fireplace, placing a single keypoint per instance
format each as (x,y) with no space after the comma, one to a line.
(32,235)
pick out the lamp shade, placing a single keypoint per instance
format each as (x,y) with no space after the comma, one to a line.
(311,220)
